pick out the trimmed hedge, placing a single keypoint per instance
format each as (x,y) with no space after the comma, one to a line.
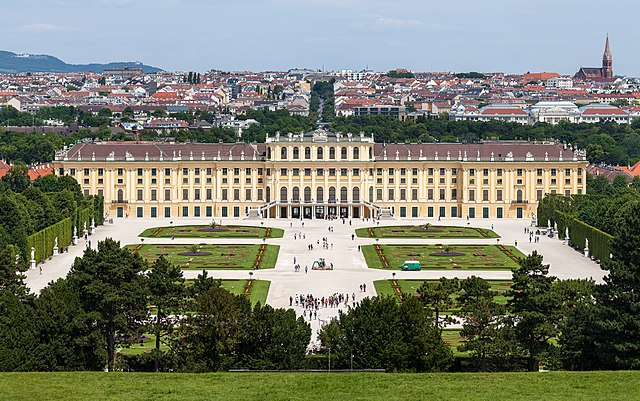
(599,241)
(84,216)
(43,241)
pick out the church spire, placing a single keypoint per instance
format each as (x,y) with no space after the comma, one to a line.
(607,50)
(607,61)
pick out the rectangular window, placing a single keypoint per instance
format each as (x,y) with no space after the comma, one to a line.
(454,211)
(356,172)
(332,172)
(472,195)
(154,194)
(567,171)
(472,212)
(236,194)
(167,212)
(442,211)
(454,171)
(307,172)
(167,171)
(225,171)
(185,171)
(247,194)
(392,171)
(167,194)
(100,171)
(185,211)
(379,194)
(86,171)
(208,211)
(196,194)
(236,211)
(442,171)
(430,193)
(391,194)
(403,194)
(247,171)
(430,211)
(539,194)
(499,195)
(154,172)
(442,194)
(519,172)
(430,172)
(454,195)
(120,172)
(320,172)
(283,171)
(139,212)
(414,211)
(209,170)
(485,172)
(414,194)
(209,193)
(485,195)
(139,194)
(225,195)
(185,194)
(101,180)
(154,211)
(403,171)
(236,171)
(485,212)
(472,172)
(196,211)
(139,171)
(225,211)
(499,212)
(296,172)
(260,194)
(499,172)
(554,172)
(343,172)
(403,211)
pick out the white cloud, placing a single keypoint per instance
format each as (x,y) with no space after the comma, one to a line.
(37,28)
(379,23)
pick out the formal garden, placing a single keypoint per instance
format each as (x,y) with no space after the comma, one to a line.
(207,256)
(397,288)
(212,231)
(425,231)
(479,257)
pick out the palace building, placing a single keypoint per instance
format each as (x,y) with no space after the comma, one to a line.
(320,174)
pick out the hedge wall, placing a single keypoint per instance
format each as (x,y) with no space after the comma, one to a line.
(43,241)
(599,241)
(98,209)
(84,216)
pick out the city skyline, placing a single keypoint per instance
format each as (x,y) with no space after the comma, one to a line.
(354,34)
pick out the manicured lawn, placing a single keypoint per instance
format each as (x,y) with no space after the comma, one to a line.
(478,257)
(211,256)
(259,289)
(420,232)
(81,386)
(206,232)
(383,287)
(148,343)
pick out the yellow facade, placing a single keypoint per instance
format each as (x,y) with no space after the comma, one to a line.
(319,174)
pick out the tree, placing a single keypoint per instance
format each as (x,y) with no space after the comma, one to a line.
(17,178)
(616,327)
(11,280)
(18,334)
(208,338)
(438,297)
(380,333)
(534,307)
(273,339)
(166,293)
(67,339)
(112,291)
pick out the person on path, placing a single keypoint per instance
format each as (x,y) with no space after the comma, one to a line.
(40,267)
(290,301)
(306,268)
(364,287)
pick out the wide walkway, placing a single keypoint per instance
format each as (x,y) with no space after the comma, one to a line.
(350,270)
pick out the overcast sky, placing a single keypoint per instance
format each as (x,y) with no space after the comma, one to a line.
(422,35)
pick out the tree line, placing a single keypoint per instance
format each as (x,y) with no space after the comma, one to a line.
(80,322)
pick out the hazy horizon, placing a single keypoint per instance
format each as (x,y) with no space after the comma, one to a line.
(254,35)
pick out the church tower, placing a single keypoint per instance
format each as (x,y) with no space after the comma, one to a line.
(607,61)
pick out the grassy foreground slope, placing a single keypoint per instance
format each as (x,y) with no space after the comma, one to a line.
(321,386)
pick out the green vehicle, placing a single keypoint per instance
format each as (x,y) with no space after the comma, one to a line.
(411,265)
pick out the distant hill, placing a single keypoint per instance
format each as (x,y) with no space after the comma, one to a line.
(13,63)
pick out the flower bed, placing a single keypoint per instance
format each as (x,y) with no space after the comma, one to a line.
(197,253)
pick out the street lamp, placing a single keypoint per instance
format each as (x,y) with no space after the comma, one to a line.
(329,359)
(393,275)
(250,276)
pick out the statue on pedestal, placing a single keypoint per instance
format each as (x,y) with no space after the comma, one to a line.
(55,247)
(33,254)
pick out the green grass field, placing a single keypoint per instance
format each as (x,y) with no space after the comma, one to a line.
(235,257)
(553,386)
(205,231)
(420,232)
(478,257)
(383,287)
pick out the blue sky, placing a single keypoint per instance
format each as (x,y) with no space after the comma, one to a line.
(422,35)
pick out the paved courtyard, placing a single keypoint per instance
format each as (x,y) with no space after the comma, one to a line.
(350,270)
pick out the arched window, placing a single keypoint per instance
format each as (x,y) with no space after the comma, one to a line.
(519,196)
(356,153)
(295,194)
(332,194)
(296,152)
(344,193)
(320,154)
(269,153)
(371,194)
(283,194)
(343,153)
(320,195)
(307,194)
(332,153)
(307,153)
(283,153)
(268,194)
(370,153)
(120,196)
(356,194)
